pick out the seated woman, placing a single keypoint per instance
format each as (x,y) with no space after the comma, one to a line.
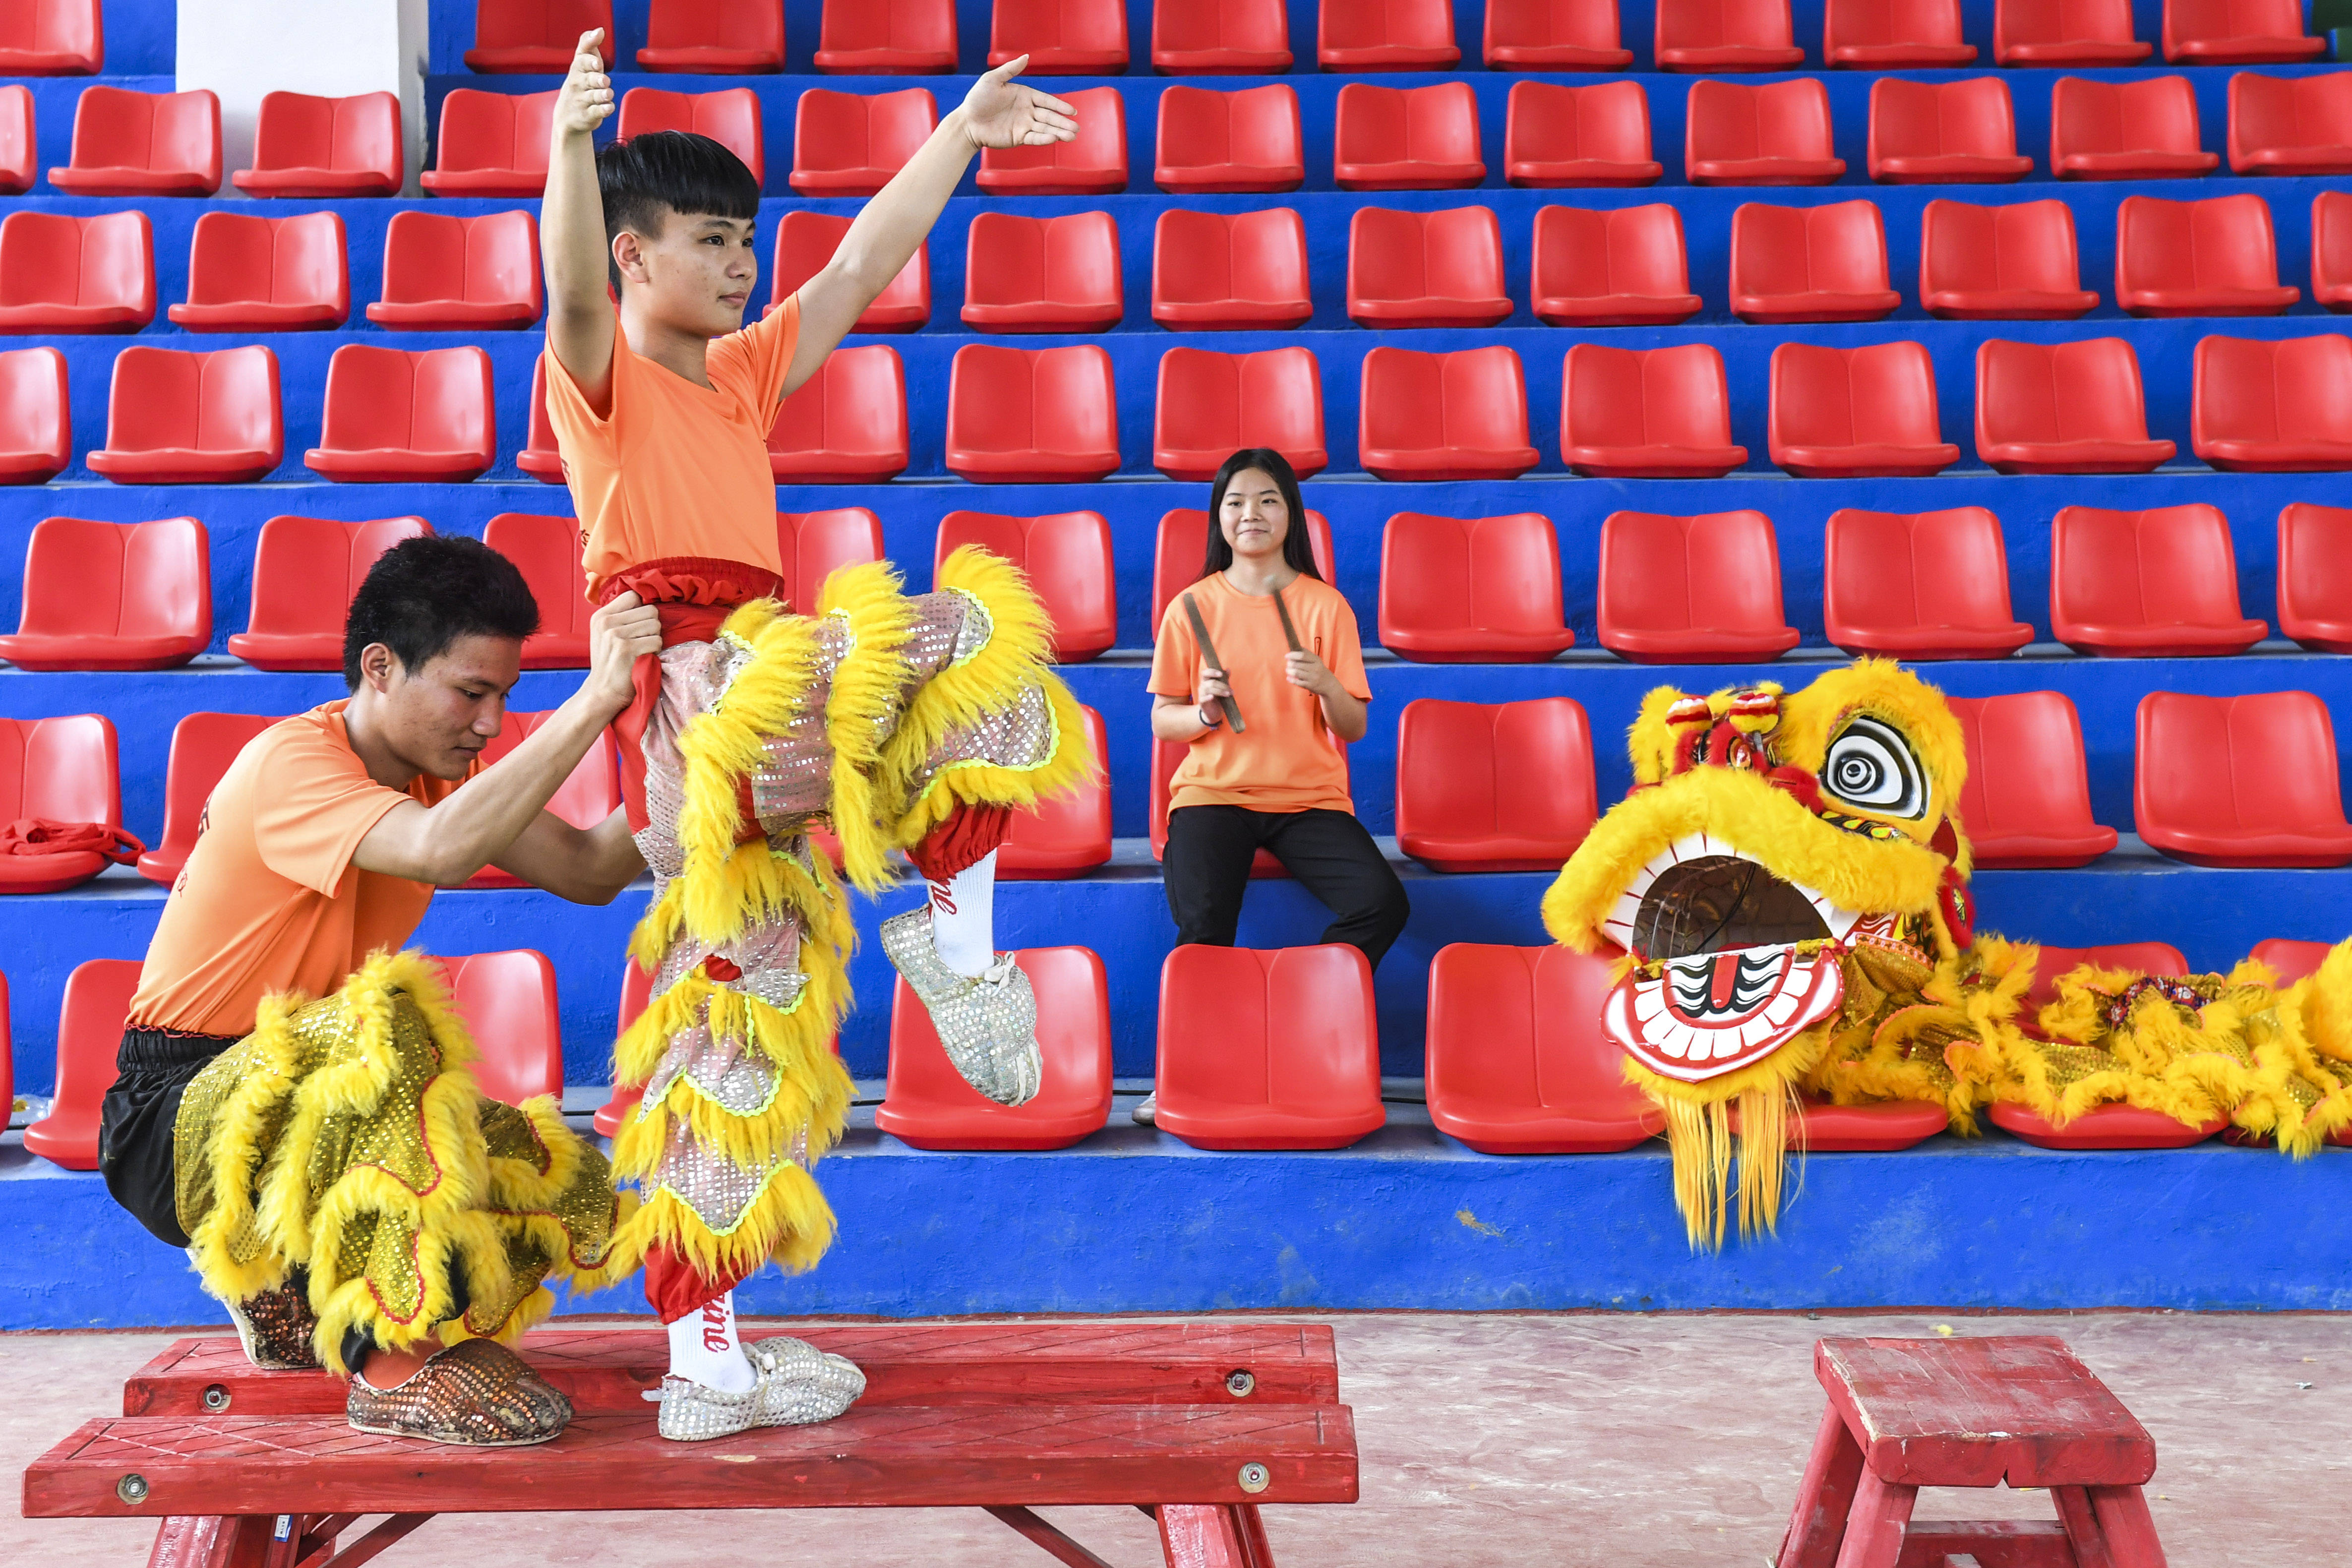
(1280,783)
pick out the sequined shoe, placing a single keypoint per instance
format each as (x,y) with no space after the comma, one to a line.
(801,1384)
(276,1328)
(988,1025)
(476,1393)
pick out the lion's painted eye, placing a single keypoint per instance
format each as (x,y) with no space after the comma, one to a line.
(1870,765)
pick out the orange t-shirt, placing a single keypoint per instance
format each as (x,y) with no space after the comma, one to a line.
(270,899)
(1287,759)
(676,469)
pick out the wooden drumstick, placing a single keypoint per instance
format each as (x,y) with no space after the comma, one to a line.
(1225,703)
(1289,632)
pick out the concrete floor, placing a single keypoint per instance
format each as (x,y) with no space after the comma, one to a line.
(1487,1439)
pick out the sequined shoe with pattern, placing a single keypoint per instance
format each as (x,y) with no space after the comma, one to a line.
(275,1328)
(475,1394)
(988,1025)
(798,1385)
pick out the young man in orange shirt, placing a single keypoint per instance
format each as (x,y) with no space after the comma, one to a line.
(906,723)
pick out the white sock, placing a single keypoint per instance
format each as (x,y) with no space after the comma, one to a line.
(963,917)
(703,1349)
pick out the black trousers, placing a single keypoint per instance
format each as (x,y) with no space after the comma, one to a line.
(1207,868)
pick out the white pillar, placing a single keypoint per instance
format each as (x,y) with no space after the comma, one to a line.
(334,48)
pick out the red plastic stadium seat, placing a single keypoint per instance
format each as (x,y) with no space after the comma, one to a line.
(144,144)
(1230,271)
(325,147)
(1856,413)
(1273,1048)
(1407,138)
(1248,140)
(636,989)
(590,794)
(2315,576)
(536,36)
(2298,125)
(90,1034)
(716,37)
(203,746)
(1504,786)
(546,550)
(2237,32)
(60,769)
(1031,416)
(1042,274)
(1181,547)
(1063,835)
(444,274)
(2290,960)
(1893,34)
(1167,755)
(1943,133)
(266,274)
(1555,136)
(2065,33)
(848,422)
(1692,590)
(398,415)
(1385,36)
(1554,35)
(2027,802)
(19,159)
(1933,585)
(927,1103)
(1425,269)
(731,118)
(64,273)
(2110,1126)
(887,37)
(305,572)
(2159,583)
(845,144)
(1622,268)
(1725,36)
(2063,408)
(1646,414)
(2055,963)
(1518,1064)
(57,37)
(2331,249)
(2240,781)
(1809,264)
(1460,415)
(2215,257)
(815,544)
(2001,264)
(35,422)
(2280,408)
(1777,134)
(805,241)
(1092,163)
(113,595)
(491,143)
(539,458)
(178,417)
(1464,590)
(1061,37)
(507,1002)
(1212,405)
(2144,130)
(1067,559)
(1229,37)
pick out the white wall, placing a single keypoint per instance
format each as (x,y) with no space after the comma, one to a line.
(244,49)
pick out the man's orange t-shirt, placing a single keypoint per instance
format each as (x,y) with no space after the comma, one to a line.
(269,900)
(676,470)
(1286,760)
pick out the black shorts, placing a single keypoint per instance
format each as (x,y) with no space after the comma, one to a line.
(152,1069)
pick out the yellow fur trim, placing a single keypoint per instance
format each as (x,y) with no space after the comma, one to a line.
(868,686)
(1699,1136)
(789,1223)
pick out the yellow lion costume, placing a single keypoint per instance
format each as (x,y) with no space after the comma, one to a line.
(1790,881)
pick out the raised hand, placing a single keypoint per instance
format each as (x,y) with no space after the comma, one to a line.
(585,99)
(1001,112)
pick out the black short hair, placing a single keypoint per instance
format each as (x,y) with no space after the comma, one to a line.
(424,593)
(1297,543)
(642,179)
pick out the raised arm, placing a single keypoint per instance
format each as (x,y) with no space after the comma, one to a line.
(997,113)
(571,230)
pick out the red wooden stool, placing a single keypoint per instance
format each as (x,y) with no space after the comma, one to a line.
(1907,1414)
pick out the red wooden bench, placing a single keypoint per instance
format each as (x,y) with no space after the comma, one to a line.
(1904,1413)
(1195,1424)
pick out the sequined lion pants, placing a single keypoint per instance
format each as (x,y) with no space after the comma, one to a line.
(344,1139)
(885,716)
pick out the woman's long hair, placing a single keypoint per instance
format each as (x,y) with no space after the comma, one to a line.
(1298,547)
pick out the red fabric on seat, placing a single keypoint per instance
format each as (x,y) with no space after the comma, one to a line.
(2240,781)
(55,38)
(1494,788)
(1950,132)
(2282,407)
(1646,412)
(507,1002)
(1230,271)
(717,38)
(1407,139)
(36,420)
(1063,835)
(44,837)
(1093,163)
(1554,35)
(325,148)
(1031,416)
(536,36)
(1460,415)
(61,771)
(144,144)
(2065,33)
(1622,267)
(589,794)
(178,417)
(849,144)
(1393,35)
(1556,136)
(2237,32)
(1232,37)
(1929,585)
(1471,590)
(394,414)
(492,143)
(1066,557)
(2315,576)
(1181,548)
(305,572)
(2292,125)
(848,422)
(546,550)
(1861,413)
(1409,270)
(2144,130)
(203,746)
(113,595)
(2215,257)
(1211,405)
(1725,36)
(1775,133)
(1247,139)
(731,118)
(61,272)
(1061,37)
(1265,1049)
(1692,590)
(2156,583)
(266,274)
(927,1103)
(887,37)
(1809,264)
(1516,1061)
(2027,801)
(1042,274)
(90,1034)
(2063,408)
(806,242)
(2013,263)
(20,151)
(445,274)
(813,545)
(1893,34)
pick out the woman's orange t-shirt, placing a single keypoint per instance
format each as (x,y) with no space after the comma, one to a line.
(676,470)
(269,900)
(1287,759)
